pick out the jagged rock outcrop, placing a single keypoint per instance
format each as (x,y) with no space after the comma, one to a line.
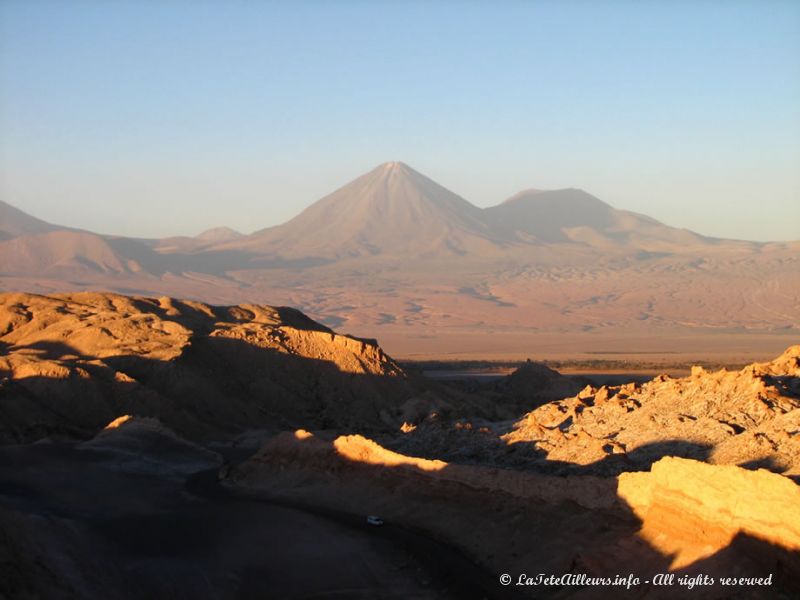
(71,363)
(749,417)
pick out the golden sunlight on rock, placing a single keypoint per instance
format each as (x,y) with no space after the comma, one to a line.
(750,416)
(360,449)
(118,421)
(690,510)
(200,369)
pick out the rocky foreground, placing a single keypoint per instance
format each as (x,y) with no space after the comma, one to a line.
(682,516)
(693,476)
(71,363)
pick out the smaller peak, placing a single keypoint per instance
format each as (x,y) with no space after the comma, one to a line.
(523,194)
(219,234)
(563,195)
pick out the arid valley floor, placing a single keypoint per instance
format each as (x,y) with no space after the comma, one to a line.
(165,448)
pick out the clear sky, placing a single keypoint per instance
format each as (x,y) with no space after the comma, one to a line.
(154,118)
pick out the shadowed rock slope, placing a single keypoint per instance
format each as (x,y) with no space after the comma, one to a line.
(143,444)
(71,363)
(683,516)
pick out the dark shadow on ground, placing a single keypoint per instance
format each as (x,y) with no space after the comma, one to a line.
(583,528)
(75,523)
(218,386)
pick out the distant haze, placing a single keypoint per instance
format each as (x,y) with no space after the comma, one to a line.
(395,254)
(157,119)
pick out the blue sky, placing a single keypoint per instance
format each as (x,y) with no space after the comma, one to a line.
(157,118)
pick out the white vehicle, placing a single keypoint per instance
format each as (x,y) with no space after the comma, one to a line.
(373,520)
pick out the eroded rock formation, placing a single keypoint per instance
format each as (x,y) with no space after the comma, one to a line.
(747,417)
(71,363)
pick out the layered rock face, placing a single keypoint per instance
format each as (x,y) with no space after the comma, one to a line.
(691,510)
(71,363)
(747,417)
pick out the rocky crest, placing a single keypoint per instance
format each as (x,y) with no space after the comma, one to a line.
(71,363)
(747,417)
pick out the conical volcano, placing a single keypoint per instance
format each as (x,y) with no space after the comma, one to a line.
(392,210)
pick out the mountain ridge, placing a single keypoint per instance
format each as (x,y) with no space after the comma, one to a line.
(401,197)
(394,209)
(394,253)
